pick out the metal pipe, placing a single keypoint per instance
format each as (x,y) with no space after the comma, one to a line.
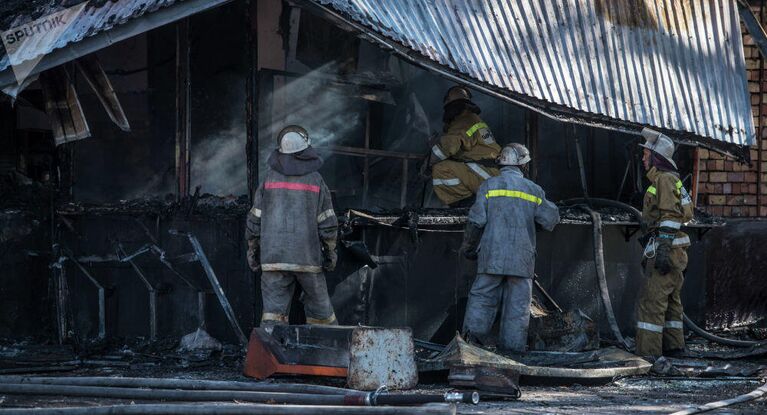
(753,395)
(170,383)
(235,409)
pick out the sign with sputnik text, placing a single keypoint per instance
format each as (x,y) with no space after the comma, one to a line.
(27,44)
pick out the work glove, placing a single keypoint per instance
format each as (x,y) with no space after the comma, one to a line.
(254,255)
(471,236)
(663,255)
(330,259)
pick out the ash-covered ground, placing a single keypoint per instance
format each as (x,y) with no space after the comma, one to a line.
(651,394)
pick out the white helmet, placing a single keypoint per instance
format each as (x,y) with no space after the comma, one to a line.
(293,139)
(659,143)
(513,154)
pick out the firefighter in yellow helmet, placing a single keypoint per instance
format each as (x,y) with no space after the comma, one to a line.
(667,206)
(464,156)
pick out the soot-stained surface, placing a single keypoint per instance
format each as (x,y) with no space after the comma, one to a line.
(636,395)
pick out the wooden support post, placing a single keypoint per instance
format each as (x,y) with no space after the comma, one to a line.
(251,98)
(531,138)
(183,108)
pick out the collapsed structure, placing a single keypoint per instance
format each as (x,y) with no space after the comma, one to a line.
(134,133)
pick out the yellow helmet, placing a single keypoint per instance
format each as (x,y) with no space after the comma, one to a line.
(456,93)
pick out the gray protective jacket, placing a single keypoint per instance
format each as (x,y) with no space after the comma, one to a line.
(507,207)
(292,220)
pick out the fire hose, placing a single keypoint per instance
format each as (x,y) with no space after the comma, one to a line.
(599,259)
(170,383)
(234,409)
(144,393)
(751,396)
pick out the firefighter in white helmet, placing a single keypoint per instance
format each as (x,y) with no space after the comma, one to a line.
(292,230)
(464,156)
(501,224)
(667,206)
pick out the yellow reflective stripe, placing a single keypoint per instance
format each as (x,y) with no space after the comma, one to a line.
(651,190)
(325,215)
(328,320)
(513,193)
(274,317)
(470,132)
(678,184)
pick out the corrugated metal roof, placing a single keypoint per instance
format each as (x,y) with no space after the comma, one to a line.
(676,65)
(97,17)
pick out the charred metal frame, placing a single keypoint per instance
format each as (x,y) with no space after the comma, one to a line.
(203,259)
(101,295)
(150,288)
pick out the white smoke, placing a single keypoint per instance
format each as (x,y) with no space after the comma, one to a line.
(219,162)
(327,110)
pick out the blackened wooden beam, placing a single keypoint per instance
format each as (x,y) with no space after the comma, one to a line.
(183,119)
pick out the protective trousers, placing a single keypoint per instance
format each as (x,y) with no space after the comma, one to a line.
(277,290)
(659,311)
(455,180)
(486,293)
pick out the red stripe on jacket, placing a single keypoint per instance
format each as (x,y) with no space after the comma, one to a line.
(292,186)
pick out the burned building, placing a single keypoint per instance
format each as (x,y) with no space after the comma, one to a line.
(133,133)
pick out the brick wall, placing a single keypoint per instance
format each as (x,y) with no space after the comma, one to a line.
(729,188)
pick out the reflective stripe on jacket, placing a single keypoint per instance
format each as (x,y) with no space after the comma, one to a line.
(292,217)
(667,204)
(508,207)
(467,138)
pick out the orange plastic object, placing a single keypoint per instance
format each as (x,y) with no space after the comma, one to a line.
(260,363)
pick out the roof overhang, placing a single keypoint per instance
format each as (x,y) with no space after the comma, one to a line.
(416,32)
(92,34)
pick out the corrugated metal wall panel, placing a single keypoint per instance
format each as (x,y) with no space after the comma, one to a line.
(671,64)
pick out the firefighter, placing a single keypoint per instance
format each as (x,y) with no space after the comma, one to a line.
(502,224)
(464,156)
(667,206)
(291,231)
